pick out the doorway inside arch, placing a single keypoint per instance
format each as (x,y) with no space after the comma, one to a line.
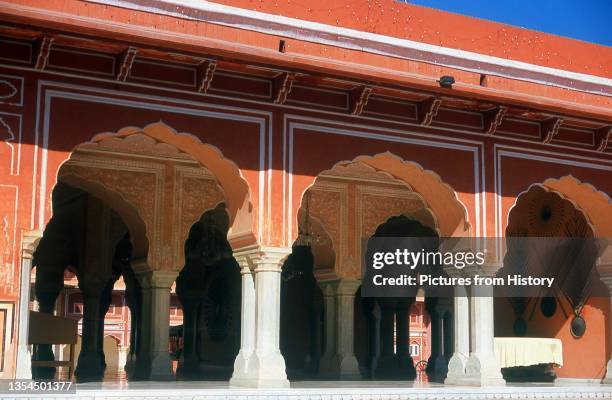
(82,265)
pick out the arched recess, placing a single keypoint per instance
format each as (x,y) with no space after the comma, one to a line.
(557,208)
(225,171)
(384,186)
(440,197)
(595,204)
(543,211)
(168,179)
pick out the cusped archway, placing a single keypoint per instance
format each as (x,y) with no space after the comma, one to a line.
(351,199)
(160,182)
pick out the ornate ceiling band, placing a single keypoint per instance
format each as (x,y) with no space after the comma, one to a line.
(127,60)
(428,109)
(550,129)
(603,136)
(359,98)
(494,118)
(44,49)
(282,86)
(206,72)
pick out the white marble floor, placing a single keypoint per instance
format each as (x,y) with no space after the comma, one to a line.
(326,390)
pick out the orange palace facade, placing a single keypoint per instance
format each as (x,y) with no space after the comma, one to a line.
(218,163)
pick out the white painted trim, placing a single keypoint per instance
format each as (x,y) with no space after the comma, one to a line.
(10,142)
(17,91)
(50,94)
(287,106)
(206,11)
(361,131)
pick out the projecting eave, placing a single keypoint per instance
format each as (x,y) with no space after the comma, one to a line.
(308,31)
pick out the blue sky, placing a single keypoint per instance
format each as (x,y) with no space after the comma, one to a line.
(588,20)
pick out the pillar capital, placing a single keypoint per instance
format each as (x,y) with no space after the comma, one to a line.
(328,288)
(261,258)
(347,287)
(156,279)
(29,243)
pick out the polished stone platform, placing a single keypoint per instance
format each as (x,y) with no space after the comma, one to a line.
(328,390)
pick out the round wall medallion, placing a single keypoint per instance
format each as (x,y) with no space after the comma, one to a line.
(520,327)
(578,326)
(548,306)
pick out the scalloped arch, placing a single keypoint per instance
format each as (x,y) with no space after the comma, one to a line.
(595,204)
(519,216)
(226,172)
(450,214)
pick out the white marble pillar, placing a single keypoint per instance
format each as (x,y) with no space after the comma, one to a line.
(153,360)
(24,368)
(461,321)
(482,367)
(328,361)
(339,361)
(122,357)
(346,362)
(244,370)
(266,366)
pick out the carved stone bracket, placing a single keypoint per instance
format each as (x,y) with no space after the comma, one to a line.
(428,109)
(603,137)
(206,72)
(44,49)
(127,60)
(359,98)
(493,119)
(282,86)
(550,129)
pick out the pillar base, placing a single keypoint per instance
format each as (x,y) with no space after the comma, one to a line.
(482,370)
(24,363)
(260,371)
(260,383)
(608,378)
(456,369)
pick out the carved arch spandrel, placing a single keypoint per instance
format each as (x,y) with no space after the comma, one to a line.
(451,214)
(195,192)
(351,200)
(225,171)
(440,198)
